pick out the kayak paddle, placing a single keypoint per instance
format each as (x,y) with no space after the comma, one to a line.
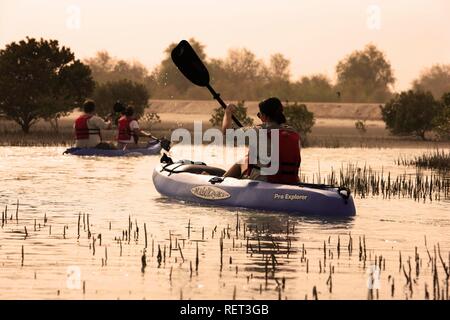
(190,65)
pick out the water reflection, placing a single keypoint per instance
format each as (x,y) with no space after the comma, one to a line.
(266,248)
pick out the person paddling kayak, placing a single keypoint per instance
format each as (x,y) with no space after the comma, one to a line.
(88,126)
(272,118)
(129,131)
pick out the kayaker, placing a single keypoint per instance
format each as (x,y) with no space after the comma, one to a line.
(88,126)
(129,131)
(272,118)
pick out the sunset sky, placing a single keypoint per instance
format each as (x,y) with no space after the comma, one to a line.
(314,35)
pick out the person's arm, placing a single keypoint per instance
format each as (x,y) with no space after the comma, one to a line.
(140,133)
(101,124)
(134,126)
(227,122)
(144,133)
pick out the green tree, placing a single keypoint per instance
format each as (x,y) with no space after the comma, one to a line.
(277,77)
(436,80)
(241,115)
(441,122)
(302,120)
(150,118)
(40,80)
(316,88)
(125,91)
(240,75)
(365,76)
(106,68)
(411,113)
(168,81)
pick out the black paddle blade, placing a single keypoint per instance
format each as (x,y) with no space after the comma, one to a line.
(166,159)
(165,144)
(190,65)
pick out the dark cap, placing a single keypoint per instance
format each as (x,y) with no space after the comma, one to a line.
(273,108)
(89,106)
(129,111)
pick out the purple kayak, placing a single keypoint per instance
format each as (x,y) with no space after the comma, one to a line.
(183,180)
(150,150)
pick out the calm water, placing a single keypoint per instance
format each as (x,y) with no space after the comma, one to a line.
(255,264)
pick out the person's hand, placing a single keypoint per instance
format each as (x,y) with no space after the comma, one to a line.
(231,108)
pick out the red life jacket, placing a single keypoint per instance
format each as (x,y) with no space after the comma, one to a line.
(289,158)
(82,131)
(124,131)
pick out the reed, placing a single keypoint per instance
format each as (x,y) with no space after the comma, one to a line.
(364,182)
(17,212)
(181,252)
(197,261)
(129,229)
(314,293)
(143,261)
(159,256)
(145,235)
(221,252)
(88,226)
(78,226)
(189,229)
(272,263)
(164,254)
(339,247)
(437,159)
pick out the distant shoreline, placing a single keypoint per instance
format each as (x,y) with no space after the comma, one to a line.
(333,110)
(334,127)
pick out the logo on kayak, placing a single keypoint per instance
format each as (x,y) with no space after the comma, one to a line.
(288,196)
(210,193)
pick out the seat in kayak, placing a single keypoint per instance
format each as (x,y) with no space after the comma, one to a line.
(196,169)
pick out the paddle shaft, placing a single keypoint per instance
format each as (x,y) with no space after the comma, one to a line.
(222,103)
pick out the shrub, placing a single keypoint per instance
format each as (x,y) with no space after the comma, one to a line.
(240,114)
(411,113)
(302,120)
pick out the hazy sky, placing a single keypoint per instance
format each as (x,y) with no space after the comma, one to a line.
(313,34)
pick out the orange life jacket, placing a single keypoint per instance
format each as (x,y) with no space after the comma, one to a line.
(82,131)
(124,131)
(289,158)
